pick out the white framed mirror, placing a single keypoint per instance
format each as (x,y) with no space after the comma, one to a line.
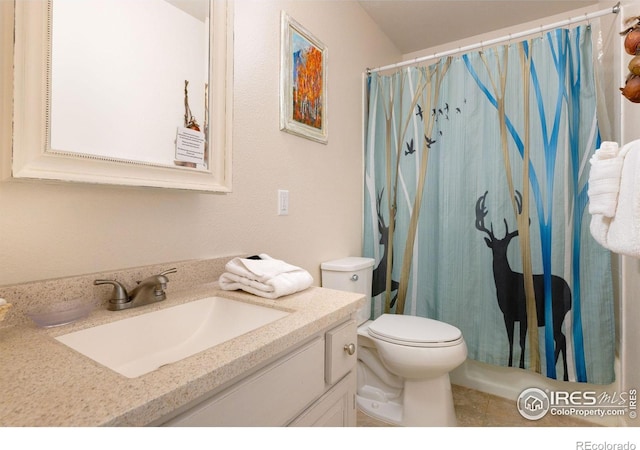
(120,92)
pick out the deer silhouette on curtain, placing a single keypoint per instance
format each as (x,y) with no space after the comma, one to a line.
(471,142)
(510,290)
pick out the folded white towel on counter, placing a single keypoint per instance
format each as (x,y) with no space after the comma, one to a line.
(604,179)
(266,277)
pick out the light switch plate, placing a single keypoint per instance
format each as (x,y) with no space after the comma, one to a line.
(283,202)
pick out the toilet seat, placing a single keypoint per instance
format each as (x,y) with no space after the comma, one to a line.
(414,331)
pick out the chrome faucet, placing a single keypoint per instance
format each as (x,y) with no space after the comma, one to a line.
(150,290)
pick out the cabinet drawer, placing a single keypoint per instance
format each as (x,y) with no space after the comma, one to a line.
(268,398)
(341,348)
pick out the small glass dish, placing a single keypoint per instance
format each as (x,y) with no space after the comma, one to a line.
(61,313)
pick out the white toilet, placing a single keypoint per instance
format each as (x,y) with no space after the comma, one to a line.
(403,361)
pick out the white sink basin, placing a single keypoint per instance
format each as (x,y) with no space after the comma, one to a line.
(141,344)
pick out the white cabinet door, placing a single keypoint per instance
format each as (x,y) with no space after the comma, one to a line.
(336,408)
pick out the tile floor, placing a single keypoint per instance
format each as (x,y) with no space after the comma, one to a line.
(478,409)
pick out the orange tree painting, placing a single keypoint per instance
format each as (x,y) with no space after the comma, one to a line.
(303,82)
(307,82)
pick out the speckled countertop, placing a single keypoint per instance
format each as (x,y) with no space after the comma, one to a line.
(45,383)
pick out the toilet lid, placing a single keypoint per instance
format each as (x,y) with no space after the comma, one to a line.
(414,331)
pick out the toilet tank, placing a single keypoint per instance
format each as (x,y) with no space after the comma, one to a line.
(352,274)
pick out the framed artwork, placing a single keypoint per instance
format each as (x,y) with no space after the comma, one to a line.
(303,82)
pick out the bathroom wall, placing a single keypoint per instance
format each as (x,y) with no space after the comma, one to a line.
(509,30)
(56,230)
(629,118)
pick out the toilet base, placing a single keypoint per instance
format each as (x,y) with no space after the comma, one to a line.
(424,403)
(388,412)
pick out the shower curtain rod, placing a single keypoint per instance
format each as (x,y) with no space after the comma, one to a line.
(482,44)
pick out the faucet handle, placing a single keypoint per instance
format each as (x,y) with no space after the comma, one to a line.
(173,270)
(163,279)
(119,294)
(159,290)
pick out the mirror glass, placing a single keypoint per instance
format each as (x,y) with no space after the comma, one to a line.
(129,80)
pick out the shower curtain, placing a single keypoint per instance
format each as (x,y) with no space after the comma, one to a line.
(476,213)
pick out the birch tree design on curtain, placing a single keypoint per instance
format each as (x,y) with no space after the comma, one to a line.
(484,150)
(423,92)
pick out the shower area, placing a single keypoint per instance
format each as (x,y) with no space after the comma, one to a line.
(476,205)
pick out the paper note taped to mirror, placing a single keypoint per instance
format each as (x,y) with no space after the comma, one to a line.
(190,146)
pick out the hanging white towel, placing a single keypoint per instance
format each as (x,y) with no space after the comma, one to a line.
(623,235)
(620,233)
(604,179)
(266,277)
(599,228)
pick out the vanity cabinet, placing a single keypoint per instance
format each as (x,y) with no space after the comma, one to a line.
(313,384)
